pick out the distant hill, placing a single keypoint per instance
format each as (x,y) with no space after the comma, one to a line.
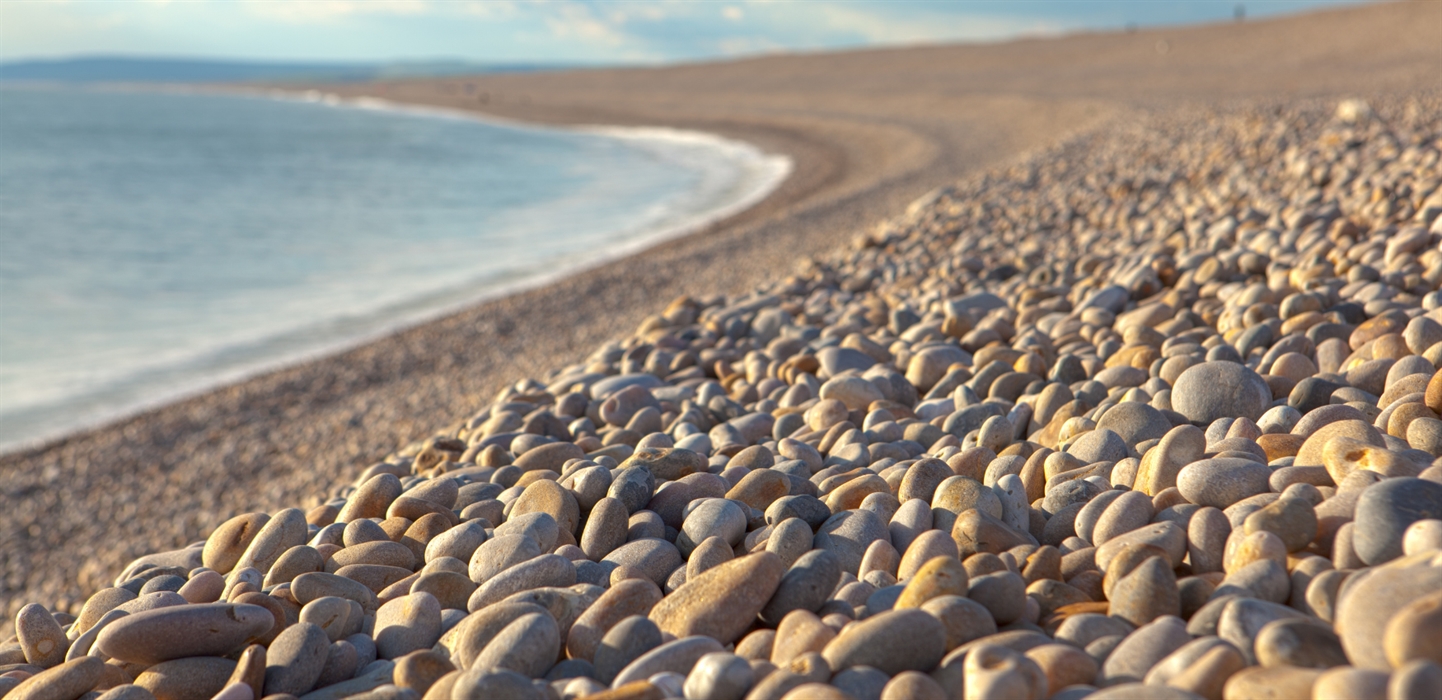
(117,69)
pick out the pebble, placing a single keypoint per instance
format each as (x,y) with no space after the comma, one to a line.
(406,624)
(295,659)
(40,637)
(1384,512)
(1211,390)
(678,656)
(155,636)
(528,645)
(194,677)
(891,642)
(1221,482)
(721,603)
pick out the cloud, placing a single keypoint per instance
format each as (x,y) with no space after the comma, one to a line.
(321,11)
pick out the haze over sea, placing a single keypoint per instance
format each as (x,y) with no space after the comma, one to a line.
(153,244)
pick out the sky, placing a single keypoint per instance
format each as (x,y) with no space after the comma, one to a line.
(558,31)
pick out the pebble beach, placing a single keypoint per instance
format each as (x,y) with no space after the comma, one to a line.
(1152,411)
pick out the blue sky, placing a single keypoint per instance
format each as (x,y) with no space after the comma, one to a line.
(563,31)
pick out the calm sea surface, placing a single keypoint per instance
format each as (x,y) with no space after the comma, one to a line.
(154,244)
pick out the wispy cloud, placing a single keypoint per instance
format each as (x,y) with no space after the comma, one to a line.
(320,11)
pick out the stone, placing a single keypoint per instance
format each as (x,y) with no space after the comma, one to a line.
(626,598)
(1384,512)
(195,677)
(679,656)
(940,576)
(994,671)
(652,558)
(1142,649)
(892,642)
(1147,593)
(627,641)
(547,570)
(1003,594)
(1221,482)
(1098,445)
(1211,390)
(1367,602)
(723,601)
(719,676)
(1299,642)
(528,645)
(806,585)
(64,681)
(407,624)
(1291,519)
(1064,665)
(295,659)
(1415,632)
(848,534)
(156,636)
(40,636)
(1278,682)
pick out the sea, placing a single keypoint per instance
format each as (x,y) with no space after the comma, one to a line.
(156,243)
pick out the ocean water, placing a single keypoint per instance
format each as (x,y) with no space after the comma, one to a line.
(155,244)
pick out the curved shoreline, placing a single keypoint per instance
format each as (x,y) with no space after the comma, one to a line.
(763,173)
(868,131)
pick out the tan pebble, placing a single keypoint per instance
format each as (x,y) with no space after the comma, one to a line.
(994,671)
(329,613)
(799,632)
(1417,680)
(471,635)
(1208,674)
(891,641)
(1312,450)
(1244,548)
(1278,683)
(419,670)
(225,546)
(759,488)
(627,598)
(192,678)
(66,681)
(393,554)
(757,646)
(155,636)
(938,577)
(296,659)
(300,559)
(722,602)
(104,600)
(40,636)
(1422,536)
(284,530)
(407,624)
(250,669)
(1366,605)
(1415,632)
(204,587)
(1146,593)
(1064,665)
(1291,519)
(1348,683)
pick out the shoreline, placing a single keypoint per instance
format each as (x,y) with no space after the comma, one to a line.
(314,345)
(869,132)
